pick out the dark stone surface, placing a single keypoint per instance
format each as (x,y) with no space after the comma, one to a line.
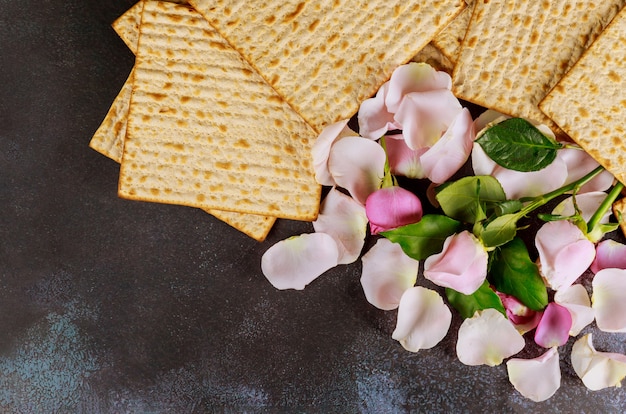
(109,305)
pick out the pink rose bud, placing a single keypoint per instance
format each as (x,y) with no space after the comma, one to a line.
(554,326)
(391,207)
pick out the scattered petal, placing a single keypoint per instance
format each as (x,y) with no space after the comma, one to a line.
(414,77)
(403,160)
(423,319)
(523,318)
(576,299)
(392,207)
(536,379)
(452,150)
(321,149)
(425,116)
(295,262)
(487,338)
(374,118)
(580,163)
(554,326)
(387,273)
(345,221)
(461,265)
(564,253)
(609,299)
(488,118)
(597,370)
(609,253)
(357,164)
(587,203)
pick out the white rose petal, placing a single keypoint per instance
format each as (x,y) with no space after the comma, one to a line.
(487,338)
(597,370)
(423,319)
(609,299)
(537,379)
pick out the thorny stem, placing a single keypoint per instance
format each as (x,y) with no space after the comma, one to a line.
(606,204)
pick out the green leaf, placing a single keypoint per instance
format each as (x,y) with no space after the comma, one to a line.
(518,145)
(483,298)
(500,231)
(512,272)
(469,198)
(424,238)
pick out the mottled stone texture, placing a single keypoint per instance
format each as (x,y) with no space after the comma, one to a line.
(110,306)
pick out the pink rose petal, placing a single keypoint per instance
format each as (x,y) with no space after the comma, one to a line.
(554,326)
(564,253)
(609,299)
(609,253)
(487,338)
(425,116)
(387,273)
(576,299)
(461,265)
(597,370)
(345,221)
(579,163)
(295,262)
(523,318)
(392,207)
(414,77)
(423,319)
(357,164)
(403,160)
(536,379)
(374,117)
(321,149)
(452,150)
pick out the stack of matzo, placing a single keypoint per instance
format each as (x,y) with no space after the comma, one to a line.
(196,124)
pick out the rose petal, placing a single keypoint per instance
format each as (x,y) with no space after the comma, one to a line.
(452,150)
(536,379)
(357,164)
(580,163)
(392,207)
(523,318)
(609,253)
(564,253)
(554,326)
(374,118)
(387,273)
(576,299)
(587,203)
(425,116)
(488,118)
(403,160)
(423,319)
(597,370)
(461,265)
(414,77)
(321,149)
(609,299)
(345,221)
(487,338)
(295,262)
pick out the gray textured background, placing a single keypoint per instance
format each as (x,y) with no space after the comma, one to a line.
(109,305)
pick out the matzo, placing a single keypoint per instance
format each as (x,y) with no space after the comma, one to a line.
(109,138)
(619,211)
(205,130)
(434,57)
(589,103)
(326,56)
(515,51)
(450,38)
